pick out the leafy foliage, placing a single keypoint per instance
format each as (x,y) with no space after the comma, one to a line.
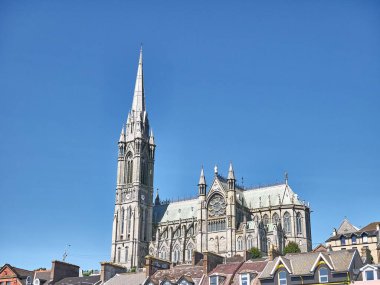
(255,252)
(291,247)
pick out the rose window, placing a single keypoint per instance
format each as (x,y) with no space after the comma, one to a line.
(216,206)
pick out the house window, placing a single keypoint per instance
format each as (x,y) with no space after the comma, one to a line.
(282,278)
(342,241)
(244,279)
(353,239)
(323,275)
(369,275)
(365,238)
(213,280)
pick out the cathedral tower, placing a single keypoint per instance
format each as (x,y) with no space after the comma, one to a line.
(132,223)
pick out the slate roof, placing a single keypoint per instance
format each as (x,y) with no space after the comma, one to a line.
(85,280)
(127,278)
(346,227)
(250,266)
(42,275)
(174,211)
(175,273)
(369,229)
(227,272)
(279,194)
(21,274)
(301,263)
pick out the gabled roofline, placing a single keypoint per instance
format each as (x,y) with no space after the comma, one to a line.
(320,255)
(277,263)
(374,267)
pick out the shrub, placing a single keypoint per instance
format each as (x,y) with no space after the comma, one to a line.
(255,252)
(291,247)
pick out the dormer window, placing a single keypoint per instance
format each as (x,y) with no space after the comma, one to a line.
(323,275)
(214,280)
(245,279)
(369,275)
(342,240)
(353,239)
(365,238)
(166,283)
(282,280)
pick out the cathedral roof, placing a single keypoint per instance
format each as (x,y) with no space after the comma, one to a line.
(175,211)
(280,194)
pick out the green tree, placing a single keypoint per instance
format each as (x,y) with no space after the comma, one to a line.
(291,247)
(255,252)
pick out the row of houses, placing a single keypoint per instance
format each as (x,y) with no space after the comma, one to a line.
(320,267)
(350,255)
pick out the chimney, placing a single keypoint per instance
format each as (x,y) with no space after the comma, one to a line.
(60,270)
(334,232)
(153,264)
(210,261)
(273,253)
(109,270)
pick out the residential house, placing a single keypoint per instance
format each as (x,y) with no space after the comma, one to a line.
(334,267)
(366,240)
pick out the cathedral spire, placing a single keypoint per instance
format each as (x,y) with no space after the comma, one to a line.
(138,104)
(202,179)
(231,174)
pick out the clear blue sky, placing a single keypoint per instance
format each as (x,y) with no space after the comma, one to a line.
(272,86)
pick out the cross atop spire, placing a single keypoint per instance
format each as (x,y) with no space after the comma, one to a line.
(138,104)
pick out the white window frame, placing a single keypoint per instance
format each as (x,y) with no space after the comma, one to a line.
(282,279)
(247,276)
(374,275)
(322,276)
(217,279)
(365,238)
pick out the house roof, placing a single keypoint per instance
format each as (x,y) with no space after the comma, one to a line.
(346,227)
(85,280)
(127,278)
(177,272)
(250,266)
(20,273)
(42,275)
(369,229)
(302,263)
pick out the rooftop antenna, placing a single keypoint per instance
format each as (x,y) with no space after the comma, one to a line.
(65,254)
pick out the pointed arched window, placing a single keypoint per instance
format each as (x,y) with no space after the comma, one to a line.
(122,221)
(287,226)
(299,223)
(275,219)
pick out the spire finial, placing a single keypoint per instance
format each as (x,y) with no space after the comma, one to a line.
(286,178)
(138,104)
(216,169)
(231,174)
(202,178)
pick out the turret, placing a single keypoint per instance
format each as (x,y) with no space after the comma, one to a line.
(231,178)
(202,184)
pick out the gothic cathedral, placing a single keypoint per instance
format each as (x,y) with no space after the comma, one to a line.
(225,218)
